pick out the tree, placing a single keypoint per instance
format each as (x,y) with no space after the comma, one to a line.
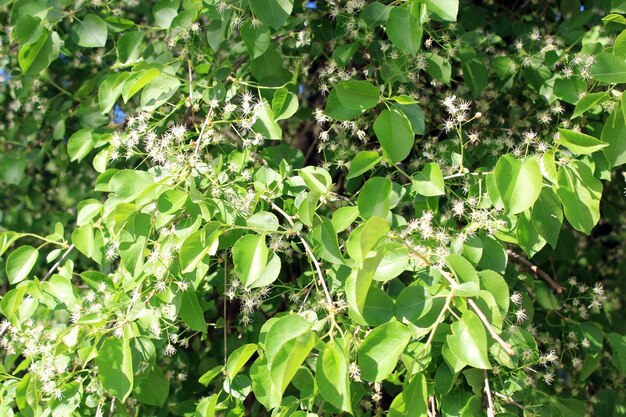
(312,208)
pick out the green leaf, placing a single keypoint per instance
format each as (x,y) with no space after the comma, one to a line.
(115,367)
(379,352)
(257,39)
(164,12)
(282,330)
(358,286)
(332,376)
(91,32)
(395,135)
(286,363)
(272,12)
(191,313)
(588,102)
(462,268)
(579,143)
(412,400)
(468,341)
(375,14)
(518,182)
(136,81)
(395,260)
(495,284)
(547,216)
(358,95)
(80,144)
(20,262)
(476,75)
(337,111)
(284,104)
(614,134)
(608,69)
(36,57)
(129,47)
(324,242)
(110,89)
(153,388)
(619,46)
(28,29)
(373,199)
(238,359)
(317,179)
(206,407)
(84,241)
(344,217)
(439,68)
(363,162)
(404,28)
(580,193)
(444,9)
(158,92)
(413,303)
(429,181)
(263,221)
(250,258)
(266,123)
(133,242)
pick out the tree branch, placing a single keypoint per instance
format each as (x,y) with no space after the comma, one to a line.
(536,271)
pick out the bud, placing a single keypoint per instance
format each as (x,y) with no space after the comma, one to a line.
(478,115)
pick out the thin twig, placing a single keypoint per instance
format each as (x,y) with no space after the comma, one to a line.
(112,407)
(225,311)
(536,271)
(491,412)
(56,265)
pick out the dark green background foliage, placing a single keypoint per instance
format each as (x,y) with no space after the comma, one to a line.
(319,208)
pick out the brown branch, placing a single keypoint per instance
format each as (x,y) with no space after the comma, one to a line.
(537,271)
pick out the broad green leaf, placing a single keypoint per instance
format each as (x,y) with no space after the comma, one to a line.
(20,262)
(129,47)
(429,181)
(476,75)
(579,143)
(286,363)
(324,242)
(614,133)
(115,367)
(164,12)
(263,221)
(191,312)
(36,57)
(439,68)
(619,46)
(87,210)
(80,144)
(468,341)
(272,12)
(344,217)
(358,95)
(158,91)
(284,329)
(395,260)
(379,352)
(91,32)
(153,388)
(378,307)
(365,237)
(404,28)
(608,69)
(579,192)
(395,135)
(270,273)
(373,199)
(136,81)
(206,407)
(332,376)
(363,162)
(337,111)
(317,179)
(547,216)
(588,102)
(28,29)
(527,236)
(495,284)
(444,9)
(266,123)
(358,286)
(375,13)
(412,400)
(238,359)
(110,89)
(83,239)
(415,114)
(462,268)
(257,39)
(413,303)
(284,104)
(250,258)
(518,182)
